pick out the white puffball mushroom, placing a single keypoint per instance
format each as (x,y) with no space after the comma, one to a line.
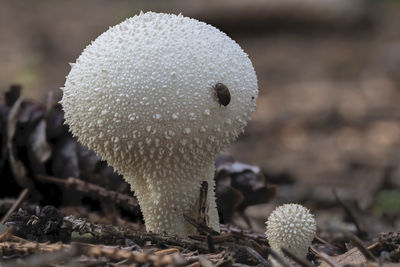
(291,226)
(143,96)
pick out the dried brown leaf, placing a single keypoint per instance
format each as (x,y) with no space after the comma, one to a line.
(351,257)
(17,167)
(40,147)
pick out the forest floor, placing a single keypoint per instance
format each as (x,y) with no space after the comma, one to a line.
(325,134)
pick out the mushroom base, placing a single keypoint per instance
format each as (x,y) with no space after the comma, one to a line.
(164,198)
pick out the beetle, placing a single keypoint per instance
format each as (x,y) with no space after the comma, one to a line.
(222,93)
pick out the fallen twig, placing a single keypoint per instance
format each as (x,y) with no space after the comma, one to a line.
(190,258)
(359,244)
(16,205)
(27,248)
(49,254)
(210,244)
(323,241)
(244,233)
(120,199)
(108,234)
(204,262)
(258,257)
(201,228)
(203,202)
(350,214)
(224,237)
(96,251)
(297,259)
(6,235)
(167,251)
(201,224)
(325,257)
(117,254)
(257,247)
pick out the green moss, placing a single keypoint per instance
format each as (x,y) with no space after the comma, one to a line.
(85,238)
(387,201)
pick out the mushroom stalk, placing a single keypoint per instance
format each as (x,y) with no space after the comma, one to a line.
(164,203)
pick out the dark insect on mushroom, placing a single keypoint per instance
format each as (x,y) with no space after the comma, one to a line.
(223,94)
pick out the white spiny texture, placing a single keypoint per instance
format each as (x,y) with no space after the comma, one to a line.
(141,96)
(291,226)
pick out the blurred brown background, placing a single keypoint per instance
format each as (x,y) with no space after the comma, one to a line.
(328,111)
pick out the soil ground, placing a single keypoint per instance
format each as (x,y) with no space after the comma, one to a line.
(328,110)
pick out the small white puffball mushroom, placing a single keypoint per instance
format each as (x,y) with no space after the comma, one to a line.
(291,226)
(144,96)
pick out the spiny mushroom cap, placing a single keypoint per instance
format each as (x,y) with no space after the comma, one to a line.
(141,95)
(291,226)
